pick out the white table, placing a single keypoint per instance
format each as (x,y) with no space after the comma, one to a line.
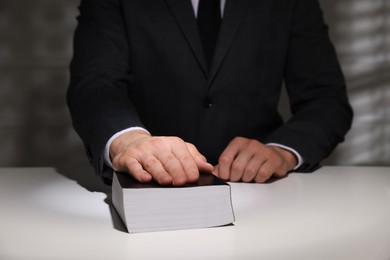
(334,213)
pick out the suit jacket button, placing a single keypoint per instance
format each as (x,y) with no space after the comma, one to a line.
(207,102)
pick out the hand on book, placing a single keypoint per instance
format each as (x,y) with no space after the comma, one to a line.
(167,160)
(249,160)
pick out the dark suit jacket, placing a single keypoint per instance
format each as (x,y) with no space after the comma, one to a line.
(141,63)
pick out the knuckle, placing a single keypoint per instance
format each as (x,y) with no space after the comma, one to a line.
(238,166)
(253,143)
(156,142)
(191,146)
(130,162)
(175,139)
(150,163)
(238,140)
(264,173)
(262,176)
(169,159)
(224,159)
(179,181)
(120,161)
(251,170)
(201,158)
(116,160)
(192,177)
(192,149)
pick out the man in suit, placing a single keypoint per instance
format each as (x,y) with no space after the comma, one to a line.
(158,86)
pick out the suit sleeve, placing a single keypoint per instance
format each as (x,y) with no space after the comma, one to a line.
(316,88)
(101,78)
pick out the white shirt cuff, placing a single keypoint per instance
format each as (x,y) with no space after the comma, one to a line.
(299,157)
(106,153)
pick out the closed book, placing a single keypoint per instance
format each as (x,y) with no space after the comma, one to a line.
(151,207)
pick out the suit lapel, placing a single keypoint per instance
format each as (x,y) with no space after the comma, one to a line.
(183,12)
(233,14)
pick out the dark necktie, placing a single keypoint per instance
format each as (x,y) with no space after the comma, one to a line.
(209,21)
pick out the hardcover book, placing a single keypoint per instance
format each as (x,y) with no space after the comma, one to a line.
(151,207)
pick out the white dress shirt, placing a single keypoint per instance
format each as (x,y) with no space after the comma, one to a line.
(195,4)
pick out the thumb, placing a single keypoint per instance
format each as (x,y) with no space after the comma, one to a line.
(203,165)
(216,170)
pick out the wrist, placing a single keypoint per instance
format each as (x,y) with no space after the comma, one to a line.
(289,157)
(122,141)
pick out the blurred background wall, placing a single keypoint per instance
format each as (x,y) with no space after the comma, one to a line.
(35,51)
(36,47)
(360,30)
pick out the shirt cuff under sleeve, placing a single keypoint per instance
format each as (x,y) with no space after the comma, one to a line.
(299,157)
(106,155)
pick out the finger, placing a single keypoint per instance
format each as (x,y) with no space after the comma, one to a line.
(174,166)
(227,157)
(277,161)
(252,169)
(154,167)
(265,172)
(281,170)
(225,162)
(239,165)
(216,170)
(134,168)
(204,166)
(189,169)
